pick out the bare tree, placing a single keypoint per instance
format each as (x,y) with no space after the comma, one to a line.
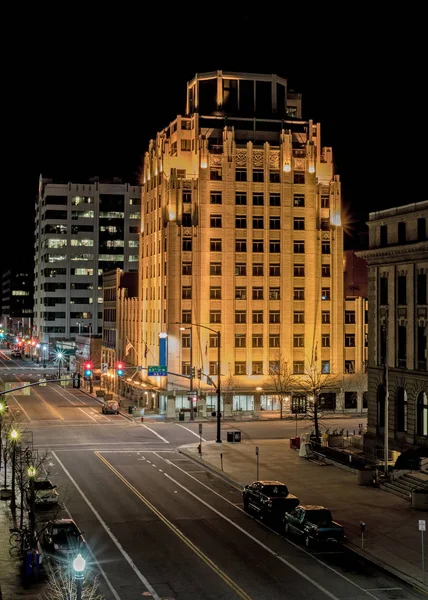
(281,379)
(61,584)
(228,389)
(355,382)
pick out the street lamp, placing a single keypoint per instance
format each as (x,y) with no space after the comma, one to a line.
(14,439)
(2,409)
(31,473)
(59,356)
(191,369)
(79,564)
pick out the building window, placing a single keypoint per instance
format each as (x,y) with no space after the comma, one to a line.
(258,223)
(185,340)
(274,200)
(274,270)
(401,232)
(257,293)
(185,368)
(215,316)
(258,270)
(421,288)
(258,200)
(383,291)
(299,247)
(240,269)
(186,268)
(298,316)
(421,347)
(299,270)
(240,340)
(402,346)
(274,223)
(299,223)
(383,235)
(241,199)
(349,317)
(349,340)
(299,177)
(257,316)
(215,245)
(215,293)
(240,245)
(186,316)
(298,340)
(258,246)
(186,293)
(422,229)
(213,368)
(257,340)
(216,174)
(325,366)
(299,200)
(274,340)
(274,316)
(325,201)
(325,317)
(325,293)
(275,246)
(213,340)
(351,399)
(240,293)
(401,290)
(325,340)
(274,177)
(240,222)
(298,293)
(258,175)
(215,198)
(325,271)
(298,367)
(187,244)
(325,247)
(422,414)
(240,368)
(349,366)
(240,316)
(401,409)
(187,197)
(325,225)
(241,175)
(365,400)
(257,367)
(274,293)
(215,268)
(215,220)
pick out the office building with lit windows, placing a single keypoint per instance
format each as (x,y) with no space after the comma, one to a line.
(242,233)
(397,260)
(17,299)
(81,231)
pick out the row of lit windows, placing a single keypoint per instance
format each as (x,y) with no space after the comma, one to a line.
(258,199)
(258,318)
(258,245)
(258,270)
(241,367)
(258,175)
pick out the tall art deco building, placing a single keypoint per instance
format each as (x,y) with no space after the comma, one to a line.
(242,233)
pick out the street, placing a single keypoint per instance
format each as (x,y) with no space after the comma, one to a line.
(160,525)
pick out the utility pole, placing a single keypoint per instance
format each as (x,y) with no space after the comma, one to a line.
(191,373)
(386,424)
(218,440)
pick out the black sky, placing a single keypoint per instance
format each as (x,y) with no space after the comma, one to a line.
(86,93)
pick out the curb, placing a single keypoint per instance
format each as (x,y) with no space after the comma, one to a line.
(418,585)
(99,402)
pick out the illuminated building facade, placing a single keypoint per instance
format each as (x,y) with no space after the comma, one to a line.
(242,233)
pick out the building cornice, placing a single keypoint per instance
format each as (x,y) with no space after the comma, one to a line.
(418,251)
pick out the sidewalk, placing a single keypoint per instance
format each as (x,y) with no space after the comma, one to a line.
(391,539)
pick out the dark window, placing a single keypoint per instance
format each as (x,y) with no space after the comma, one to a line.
(258,200)
(274,293)
(274,270)
(274,223)
(187,197)
(215,268)
(258,175)
(299,247)
(258,223)
(298,340)
(274,200)
(325,201)
(215,198)
(401,290)
(422,229)
(325,293)
(215,220)
(298,403)
(258,269)
(240,368)
(422,414)
(421,347)
(240,293)
(299,177)
(325,340)
(383,235)
(349,316)
(215,174)
(241,222)
(383,291)
(401,409)
(349,366)
(325,225)
(240,269)
(365,399)
(402,346)
(257,340)
(257,316)
(274,316)
(241,199)
(298,293)
(401,232)
(299,270)
(186,316)
(186,293)
(185,340)
(240,245)
(257,293)
(275,247)
(257,367)
(325,317)
(240,316)
(187,268)
(241,174)
(349,340)
(325,271)
(351,399)
(421,288)
(299,223)
(215,245)
(299,200)
(258,246)
(298,316)
(327,400)
(240,340)
(274,340)
(215,316)
(215,293)
(274,177)
(325,368)
(325,247)
(187,244)
(187,220)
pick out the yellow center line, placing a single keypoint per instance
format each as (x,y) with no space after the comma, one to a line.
(234,586)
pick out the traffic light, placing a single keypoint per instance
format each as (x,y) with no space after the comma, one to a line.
(120,369)
(76,380)
(199,373)
(88,369)
(193,372)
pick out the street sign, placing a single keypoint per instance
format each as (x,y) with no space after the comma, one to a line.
(157,371)
(104,367)
(422,525)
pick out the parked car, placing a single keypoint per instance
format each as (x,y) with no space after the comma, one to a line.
(45,493)
(268,499)
(63,540)
(313,524)
(110,407)
(16,354)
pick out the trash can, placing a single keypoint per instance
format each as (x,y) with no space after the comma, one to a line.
(236,436)
(130,410)
(230,436)
(292,443)
(297,442)
(181,416)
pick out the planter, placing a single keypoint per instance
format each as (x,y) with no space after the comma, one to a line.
(420,499)
(335,441)
(5,494)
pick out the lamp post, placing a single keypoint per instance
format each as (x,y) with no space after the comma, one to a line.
(79,564)
(218,334)
(191,369)
(31,473)
(2,409)
(14,439)
(59,356)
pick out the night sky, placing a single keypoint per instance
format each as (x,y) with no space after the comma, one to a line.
(86,92)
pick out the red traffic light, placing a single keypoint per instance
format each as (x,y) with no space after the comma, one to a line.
(88,366)
(119,365)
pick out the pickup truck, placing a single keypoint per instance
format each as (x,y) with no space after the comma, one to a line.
(313,524)
(268,499)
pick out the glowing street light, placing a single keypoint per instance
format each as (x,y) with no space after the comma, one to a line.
(79,564)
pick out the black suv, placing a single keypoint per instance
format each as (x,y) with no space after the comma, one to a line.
(313,524)
(268,499)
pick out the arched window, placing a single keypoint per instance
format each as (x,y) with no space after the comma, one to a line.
(422,414)
(381,396)
(401,409)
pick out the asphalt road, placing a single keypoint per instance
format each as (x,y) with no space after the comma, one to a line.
(158,525)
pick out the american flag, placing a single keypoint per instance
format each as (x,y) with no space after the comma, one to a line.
(146,350)
(128,347)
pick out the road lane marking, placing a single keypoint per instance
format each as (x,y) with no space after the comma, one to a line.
(118,545)
(210,563)
(191,431)
(383,589)
(156,433)
(73,404)
(21,407)
(255,539)
(51,408)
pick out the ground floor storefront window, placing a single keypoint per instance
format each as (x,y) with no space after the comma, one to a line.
(243,402)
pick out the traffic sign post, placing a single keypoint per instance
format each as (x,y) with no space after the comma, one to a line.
(257,461)
(200,439)
(362,529)
(157,370)
(422,528)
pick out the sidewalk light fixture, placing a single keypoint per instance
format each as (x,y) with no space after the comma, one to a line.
(79,564)
(14,439)
(2,409)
